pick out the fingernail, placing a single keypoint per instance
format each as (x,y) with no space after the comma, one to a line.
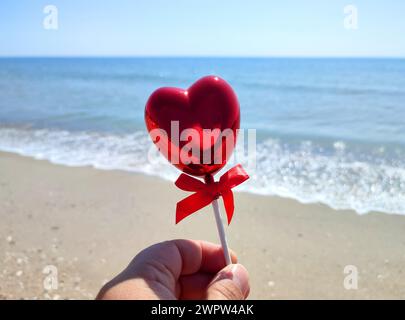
(240,277)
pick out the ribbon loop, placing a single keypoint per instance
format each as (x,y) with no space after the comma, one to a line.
(188,183)
(205,193)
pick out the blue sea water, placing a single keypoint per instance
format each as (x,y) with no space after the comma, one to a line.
(328,130)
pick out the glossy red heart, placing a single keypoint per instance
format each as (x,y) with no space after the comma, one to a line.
(210,109)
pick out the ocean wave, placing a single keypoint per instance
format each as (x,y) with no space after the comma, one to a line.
(338,177)
(322,89)
(341,178)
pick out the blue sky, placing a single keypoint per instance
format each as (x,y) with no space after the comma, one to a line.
(202,28)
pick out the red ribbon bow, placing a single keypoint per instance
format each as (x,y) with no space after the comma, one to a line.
(206,192)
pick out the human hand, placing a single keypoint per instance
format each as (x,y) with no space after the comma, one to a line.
(179,269)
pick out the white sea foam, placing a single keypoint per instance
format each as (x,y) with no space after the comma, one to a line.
(339,178)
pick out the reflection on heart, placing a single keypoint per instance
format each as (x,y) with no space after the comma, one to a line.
(195,129)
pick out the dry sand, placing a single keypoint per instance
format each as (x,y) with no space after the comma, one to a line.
(89,224)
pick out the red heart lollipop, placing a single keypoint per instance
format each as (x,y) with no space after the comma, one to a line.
(208,107)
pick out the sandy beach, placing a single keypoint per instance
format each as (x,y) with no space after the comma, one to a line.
(90,223)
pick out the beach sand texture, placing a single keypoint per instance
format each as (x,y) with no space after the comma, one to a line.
(90,223)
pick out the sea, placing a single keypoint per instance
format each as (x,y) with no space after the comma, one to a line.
(328,130)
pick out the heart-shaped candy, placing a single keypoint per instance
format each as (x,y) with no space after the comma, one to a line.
(196,128)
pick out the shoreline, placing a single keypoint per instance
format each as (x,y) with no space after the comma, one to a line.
(247,192)
(89,223)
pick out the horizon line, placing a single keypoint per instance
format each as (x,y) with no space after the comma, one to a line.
(196,57)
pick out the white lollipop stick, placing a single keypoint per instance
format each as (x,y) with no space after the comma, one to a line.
(221,232)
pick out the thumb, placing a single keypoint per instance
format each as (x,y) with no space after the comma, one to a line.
(231,283)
